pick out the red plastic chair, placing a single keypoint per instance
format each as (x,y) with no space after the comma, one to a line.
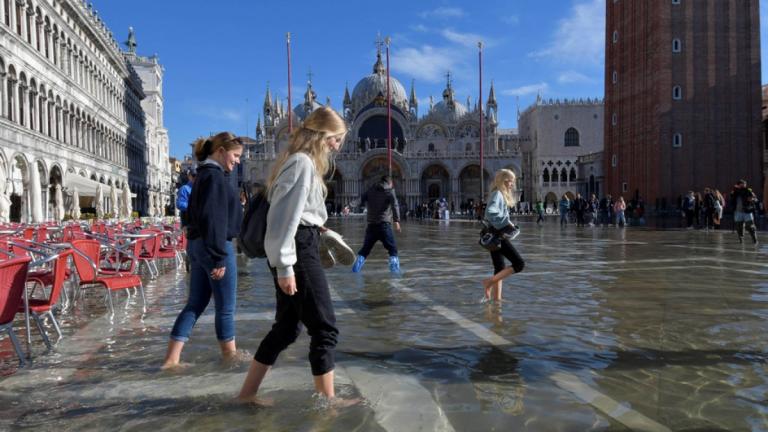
(147,250)
(13,277)
(39,308)
(87,259)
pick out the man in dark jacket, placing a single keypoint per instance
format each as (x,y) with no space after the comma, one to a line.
(383,212)
(743,204)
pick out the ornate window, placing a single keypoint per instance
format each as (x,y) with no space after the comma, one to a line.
(545,176)
(571,137)
(431,147)
(572,177)
(563,176)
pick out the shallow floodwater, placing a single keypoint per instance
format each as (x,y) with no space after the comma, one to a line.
(606,329)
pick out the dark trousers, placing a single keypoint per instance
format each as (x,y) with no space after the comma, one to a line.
(311,306)
(579,217)
(509,252)
(378,232)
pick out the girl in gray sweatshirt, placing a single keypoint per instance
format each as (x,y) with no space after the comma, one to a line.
(296,216)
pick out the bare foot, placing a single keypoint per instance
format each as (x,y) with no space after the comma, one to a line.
(236,358)
(338,402)
(175,366)
(255,400)
(487,285)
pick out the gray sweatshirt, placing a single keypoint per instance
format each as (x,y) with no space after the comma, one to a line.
(296,197)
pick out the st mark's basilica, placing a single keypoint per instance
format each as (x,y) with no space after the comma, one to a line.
(434,156)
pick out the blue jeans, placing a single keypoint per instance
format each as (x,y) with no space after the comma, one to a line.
(378,232)
(201,287)
(620,219)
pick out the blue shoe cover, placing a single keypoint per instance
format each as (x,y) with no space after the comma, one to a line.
(358,265)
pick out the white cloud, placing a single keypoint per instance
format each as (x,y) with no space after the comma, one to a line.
(443,12)
(469,40)
(421,28)
(541,87)
(579,38)
(572,77)
(424,63)
(510,19)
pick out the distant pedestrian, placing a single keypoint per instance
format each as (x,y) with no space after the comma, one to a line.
(744,201)
(719,206)
(689,208)
(564,207)
(383,215)
(539,212)
(579,207)
(619,208)
(182,199)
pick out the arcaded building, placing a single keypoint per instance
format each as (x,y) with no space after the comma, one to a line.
(682,97)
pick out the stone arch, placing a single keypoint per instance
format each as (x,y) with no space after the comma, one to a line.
(550,200)
(375,167)
(435,182)
(470,182)
(372,125)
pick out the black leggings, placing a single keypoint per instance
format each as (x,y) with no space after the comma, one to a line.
(311,305)
(509,252)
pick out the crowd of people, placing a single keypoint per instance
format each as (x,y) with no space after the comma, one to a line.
(295,233)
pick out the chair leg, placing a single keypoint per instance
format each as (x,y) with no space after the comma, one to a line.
(43,333)
(111,306)
(143,297)
(55,325)
(16,345)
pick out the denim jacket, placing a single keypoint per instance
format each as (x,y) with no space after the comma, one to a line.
(497,212)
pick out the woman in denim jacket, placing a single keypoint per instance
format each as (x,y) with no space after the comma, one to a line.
(497,214)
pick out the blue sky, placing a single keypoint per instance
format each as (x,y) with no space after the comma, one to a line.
(219,56)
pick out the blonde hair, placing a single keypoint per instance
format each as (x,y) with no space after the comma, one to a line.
(498,185)
(310,138)
(205,147)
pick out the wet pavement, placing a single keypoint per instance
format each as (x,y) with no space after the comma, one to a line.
(606,329)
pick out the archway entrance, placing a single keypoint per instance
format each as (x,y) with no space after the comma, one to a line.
(335,185)
(469,183)
(376,168)
(373,133)
(435,182)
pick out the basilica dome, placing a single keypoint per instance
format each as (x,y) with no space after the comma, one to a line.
(448,110)
(375,84)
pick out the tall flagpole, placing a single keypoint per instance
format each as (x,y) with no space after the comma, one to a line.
(389,114)
(480,107)
(290,107)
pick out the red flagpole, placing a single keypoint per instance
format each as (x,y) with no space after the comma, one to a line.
(389,115)
(480,107)
(290,107)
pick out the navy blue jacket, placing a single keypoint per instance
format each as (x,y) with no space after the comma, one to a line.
(214,211)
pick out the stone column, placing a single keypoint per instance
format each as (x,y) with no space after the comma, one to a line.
(30,21)
(3,91)
(44,114)
(32,98)
(20,95)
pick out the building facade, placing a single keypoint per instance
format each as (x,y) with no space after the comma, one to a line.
(554,135)
(159,180)
(435,156)
(71,115)
(682,98)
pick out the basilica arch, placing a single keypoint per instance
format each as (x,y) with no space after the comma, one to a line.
(376,167)
(435,183)
(469,183)
(372,131)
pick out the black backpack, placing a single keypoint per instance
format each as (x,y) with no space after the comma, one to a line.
(254,227)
